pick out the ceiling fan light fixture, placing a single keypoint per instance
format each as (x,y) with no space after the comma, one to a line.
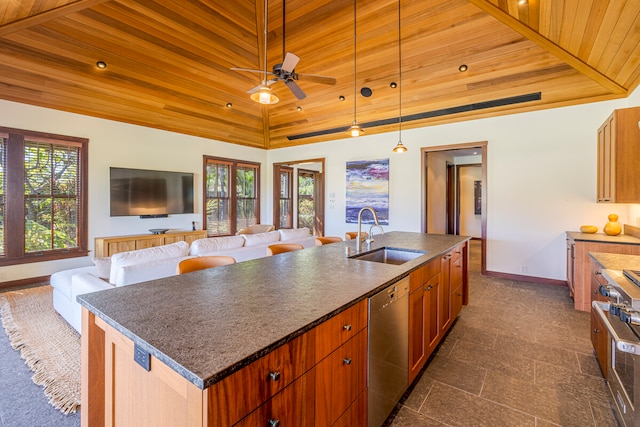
(265,96)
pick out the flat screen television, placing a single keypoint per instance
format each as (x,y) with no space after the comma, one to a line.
(150,193)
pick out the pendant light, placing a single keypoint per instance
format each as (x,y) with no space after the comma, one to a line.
(399,148)
(264,94)
(355,129)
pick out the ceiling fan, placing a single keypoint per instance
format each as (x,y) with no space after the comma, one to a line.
(284,72)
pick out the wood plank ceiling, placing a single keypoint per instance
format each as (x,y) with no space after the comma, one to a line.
(168,62)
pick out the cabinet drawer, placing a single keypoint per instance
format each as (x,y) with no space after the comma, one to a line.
(456,252)
(243,391)
(339,329)
(340,379)
(423,274)
(293,406)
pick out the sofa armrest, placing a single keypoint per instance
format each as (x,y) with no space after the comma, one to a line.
(85,283)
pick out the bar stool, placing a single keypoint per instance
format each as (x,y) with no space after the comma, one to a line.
(327,239)
(280,248)
(200,263)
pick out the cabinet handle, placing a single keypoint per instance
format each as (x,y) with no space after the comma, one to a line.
(459,294)
(428,288)
(596,331)
(274,376)
(274,423)
(347,361)
(347,328)
(595,292)
(597,273)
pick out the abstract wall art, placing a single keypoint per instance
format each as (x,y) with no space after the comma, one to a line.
(368,185)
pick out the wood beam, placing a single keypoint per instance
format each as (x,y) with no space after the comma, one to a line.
(549,46)
(40,18)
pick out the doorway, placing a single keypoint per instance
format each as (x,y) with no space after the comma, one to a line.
(454,191)
(299,195)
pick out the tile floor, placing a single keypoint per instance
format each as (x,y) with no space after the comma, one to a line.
(518,355)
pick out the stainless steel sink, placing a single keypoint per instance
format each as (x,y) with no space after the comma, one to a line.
(389,255)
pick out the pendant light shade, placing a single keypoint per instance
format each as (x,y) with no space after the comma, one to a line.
(355,129)
(264,95)
(399,148)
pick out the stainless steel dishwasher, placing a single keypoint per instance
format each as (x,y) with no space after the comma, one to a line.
(388,350)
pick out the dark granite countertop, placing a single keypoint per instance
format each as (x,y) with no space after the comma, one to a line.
(603,238)
(208,324)
(616,261)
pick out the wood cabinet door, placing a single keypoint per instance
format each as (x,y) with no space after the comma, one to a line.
(606,162)
(433,302)
(356,415)
(445,292)
(418,345)
(456,302)
(600,341)
(340,379)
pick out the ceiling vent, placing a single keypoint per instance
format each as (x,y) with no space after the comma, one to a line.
(536,96)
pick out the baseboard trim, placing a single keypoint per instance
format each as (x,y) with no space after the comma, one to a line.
(532,279)
(24,282)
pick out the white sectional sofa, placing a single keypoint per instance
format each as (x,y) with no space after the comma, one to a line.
(137,266)
(250,246)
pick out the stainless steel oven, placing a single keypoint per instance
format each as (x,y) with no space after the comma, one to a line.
(621,317)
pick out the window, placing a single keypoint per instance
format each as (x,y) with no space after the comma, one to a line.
(285,201)
(229,207)
(43,203)
(306,204)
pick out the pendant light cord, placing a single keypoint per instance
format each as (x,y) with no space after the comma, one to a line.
(399,73)
(264,80)
(354,60)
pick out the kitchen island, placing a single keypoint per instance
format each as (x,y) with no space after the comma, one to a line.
(196,338)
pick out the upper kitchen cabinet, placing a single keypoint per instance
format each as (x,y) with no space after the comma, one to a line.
(618,155)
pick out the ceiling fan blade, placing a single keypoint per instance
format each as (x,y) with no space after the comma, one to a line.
(316,78)
(293,86)
(290,62)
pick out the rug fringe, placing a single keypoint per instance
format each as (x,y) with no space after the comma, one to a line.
(56,393)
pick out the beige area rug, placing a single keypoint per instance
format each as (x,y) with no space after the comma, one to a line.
(48,345)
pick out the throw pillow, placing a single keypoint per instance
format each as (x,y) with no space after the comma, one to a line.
(261,238)
(294,233)
(103,265)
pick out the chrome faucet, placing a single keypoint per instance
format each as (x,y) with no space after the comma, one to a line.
(359,237)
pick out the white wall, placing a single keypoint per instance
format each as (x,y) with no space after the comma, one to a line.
(118,144)
(541,180)
(470,223)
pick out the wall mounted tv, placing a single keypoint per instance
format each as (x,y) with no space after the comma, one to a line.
(150,193)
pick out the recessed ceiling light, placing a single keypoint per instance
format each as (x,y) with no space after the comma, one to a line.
(523,2)
(463,68)
(366,92)
(299,108)
(229,105)
(393,85)
(341,98)
(101,64)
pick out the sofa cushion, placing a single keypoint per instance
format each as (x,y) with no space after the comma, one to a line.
(212,244)
(103,267)
(295,233)
(147,255)
(261,238)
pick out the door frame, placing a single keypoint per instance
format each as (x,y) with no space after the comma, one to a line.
(482,147)
(276,188)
